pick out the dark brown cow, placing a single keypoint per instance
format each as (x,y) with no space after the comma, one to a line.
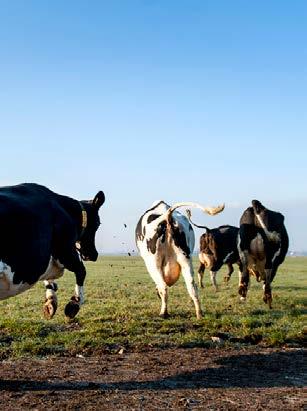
(217,246)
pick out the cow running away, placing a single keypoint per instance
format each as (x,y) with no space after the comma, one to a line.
(42,233)
(217,246)
(263,244)
(166,240)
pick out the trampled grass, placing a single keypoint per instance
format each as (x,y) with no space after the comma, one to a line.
(122,308)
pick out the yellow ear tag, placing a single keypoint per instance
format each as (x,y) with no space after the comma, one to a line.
(84,219)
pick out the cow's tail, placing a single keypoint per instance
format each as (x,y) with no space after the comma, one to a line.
(168,214)
(189,215)
(271,236)
(208,210)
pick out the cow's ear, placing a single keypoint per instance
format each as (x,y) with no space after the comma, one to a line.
(99,199)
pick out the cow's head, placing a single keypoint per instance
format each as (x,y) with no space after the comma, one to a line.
(90,224)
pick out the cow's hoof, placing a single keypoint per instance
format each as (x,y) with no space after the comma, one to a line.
(243,299)
(49,309)
(199,316)
(164,315)
(267,298)
(72,309)
(243,290)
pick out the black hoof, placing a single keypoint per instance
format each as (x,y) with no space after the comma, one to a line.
(72,309)
(165,315)
(243,290)
(267,298)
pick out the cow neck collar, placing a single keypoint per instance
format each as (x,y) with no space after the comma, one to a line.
(84,220)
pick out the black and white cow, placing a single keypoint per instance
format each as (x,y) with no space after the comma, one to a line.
(217,246)
(166,240)
(263,244)
(41,233)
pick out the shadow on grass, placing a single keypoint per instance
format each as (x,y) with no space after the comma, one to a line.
(282,369)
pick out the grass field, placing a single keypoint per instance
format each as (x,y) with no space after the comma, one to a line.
(122,308)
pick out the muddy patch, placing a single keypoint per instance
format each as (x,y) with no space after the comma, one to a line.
(158,379)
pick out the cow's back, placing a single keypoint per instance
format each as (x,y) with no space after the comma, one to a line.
(222,239)
(25,230)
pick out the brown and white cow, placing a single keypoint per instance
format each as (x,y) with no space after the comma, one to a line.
(166,240)
(263,244)
(217,246)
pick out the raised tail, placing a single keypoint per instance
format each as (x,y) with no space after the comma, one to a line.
(208,210)
(167,215)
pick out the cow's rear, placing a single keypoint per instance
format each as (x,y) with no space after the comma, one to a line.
(165,239)
(263,244)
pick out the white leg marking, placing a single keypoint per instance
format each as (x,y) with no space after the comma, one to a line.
(155,273)
(163,292)
(79,293)
(51,303)
(187,272)
(240,276)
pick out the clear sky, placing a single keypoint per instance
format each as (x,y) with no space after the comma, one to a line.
(178,100)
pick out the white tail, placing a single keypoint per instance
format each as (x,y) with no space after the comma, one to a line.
(208,210)
(167,215)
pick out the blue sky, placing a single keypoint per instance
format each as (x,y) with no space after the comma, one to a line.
(177,100)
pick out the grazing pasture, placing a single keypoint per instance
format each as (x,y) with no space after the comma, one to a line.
(121,313)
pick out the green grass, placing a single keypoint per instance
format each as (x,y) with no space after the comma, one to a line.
(122,308)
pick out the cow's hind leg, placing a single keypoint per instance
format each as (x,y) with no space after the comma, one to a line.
(243,286)
(230,271)
(163,294)
(51,302)
(201,271)
(213,280)
(187,272)
(267,291)
(161,287)
(244,277)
